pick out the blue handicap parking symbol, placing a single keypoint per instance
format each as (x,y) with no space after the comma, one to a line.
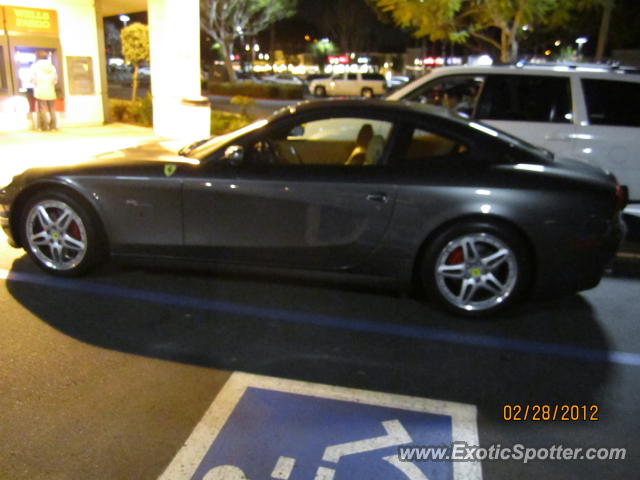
(279,435)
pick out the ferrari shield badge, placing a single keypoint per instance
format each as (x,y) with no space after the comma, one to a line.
(169,170)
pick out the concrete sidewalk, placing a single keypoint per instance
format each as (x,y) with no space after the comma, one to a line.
(69,145)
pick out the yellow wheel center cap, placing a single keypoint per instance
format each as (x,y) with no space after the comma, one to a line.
(476,272)
(55,235)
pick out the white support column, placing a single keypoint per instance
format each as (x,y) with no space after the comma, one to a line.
(174,36)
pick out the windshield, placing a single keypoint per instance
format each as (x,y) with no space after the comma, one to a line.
(203,148)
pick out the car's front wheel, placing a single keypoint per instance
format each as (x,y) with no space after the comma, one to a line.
(367,93)
(60,234)
(476,269)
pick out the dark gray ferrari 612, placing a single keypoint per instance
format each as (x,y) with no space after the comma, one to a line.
(476,218)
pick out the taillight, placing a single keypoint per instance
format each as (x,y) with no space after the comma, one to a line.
(622,196)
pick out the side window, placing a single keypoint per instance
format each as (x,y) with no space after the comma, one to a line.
(611,102)
(426,145)
(525,98)
(457,93)
(349,142)
(352,76)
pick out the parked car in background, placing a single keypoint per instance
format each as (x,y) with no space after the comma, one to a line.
(396,81)
(283,79)
(588,112)
(347,84)
(316,76)
(474,217)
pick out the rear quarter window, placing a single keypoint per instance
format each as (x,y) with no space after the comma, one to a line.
(611,102)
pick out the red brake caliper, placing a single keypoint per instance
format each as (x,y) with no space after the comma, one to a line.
(456,257)
(74,231)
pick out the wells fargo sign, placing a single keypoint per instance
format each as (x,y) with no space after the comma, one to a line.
(30,20)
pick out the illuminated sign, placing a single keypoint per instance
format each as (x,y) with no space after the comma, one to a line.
(31,20)
(430,61)
(338,59)
(437,61)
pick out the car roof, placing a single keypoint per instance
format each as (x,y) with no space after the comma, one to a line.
(362,106)
(596,71)
(545,68)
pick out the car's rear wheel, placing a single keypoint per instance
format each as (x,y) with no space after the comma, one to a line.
(367,93)
(60,234)
(476,269)
(320,92)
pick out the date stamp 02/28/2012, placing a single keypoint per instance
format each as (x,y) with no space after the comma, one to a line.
(550,413)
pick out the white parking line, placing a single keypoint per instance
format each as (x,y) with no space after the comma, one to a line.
(283,469)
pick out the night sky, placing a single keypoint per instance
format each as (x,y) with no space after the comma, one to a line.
(313,16)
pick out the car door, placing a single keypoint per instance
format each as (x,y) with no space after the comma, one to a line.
(336,84)
(293,202)
(353,84)
(609,131)
(536,108)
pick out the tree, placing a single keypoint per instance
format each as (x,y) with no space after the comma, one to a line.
(350,24)
(226,20)
(135,49)
(500,23)
(320,49)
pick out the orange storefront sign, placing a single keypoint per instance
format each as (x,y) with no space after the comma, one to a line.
(30,20)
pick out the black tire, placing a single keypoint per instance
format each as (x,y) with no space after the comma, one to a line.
(476,269)
(366,93)
(320,91)
(67,241)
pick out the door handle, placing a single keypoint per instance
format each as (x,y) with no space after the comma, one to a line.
(378,197)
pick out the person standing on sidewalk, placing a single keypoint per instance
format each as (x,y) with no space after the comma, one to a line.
(45,79)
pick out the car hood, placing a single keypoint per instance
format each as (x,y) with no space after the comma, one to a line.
(148,159)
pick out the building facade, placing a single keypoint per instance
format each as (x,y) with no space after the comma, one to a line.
(71,32)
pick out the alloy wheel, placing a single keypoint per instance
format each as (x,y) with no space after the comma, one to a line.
(56,235)
(476,272)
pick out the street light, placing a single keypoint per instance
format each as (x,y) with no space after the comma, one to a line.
(581,41)
(124,19)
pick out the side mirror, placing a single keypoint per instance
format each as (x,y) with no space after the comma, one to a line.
(234,155)
(297,131)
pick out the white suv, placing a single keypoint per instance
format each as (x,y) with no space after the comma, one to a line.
(349,84)
(587,112)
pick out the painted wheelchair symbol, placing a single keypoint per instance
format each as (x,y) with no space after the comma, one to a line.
(396,435)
